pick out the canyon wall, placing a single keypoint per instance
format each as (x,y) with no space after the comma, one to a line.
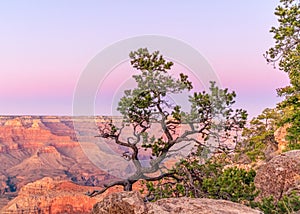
(35,147)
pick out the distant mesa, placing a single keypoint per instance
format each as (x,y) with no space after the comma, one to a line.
(35,124)
(16,122)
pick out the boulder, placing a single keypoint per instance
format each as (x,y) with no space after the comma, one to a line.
(279,176)
(132,203)
(121,203)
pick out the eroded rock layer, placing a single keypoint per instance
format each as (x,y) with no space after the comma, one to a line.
(34,147)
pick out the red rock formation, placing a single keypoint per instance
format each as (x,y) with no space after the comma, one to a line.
(280,135)
(16,134)
(33,147)
(47,195)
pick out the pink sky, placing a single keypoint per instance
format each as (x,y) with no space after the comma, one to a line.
(46,46)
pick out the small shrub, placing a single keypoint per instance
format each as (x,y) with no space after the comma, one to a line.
(287,204)
(292,146)
(209,180)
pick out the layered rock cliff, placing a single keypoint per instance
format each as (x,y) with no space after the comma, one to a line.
(34,147)
(53,196)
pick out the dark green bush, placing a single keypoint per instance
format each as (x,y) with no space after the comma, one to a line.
(209,180)
(212,180)
(232,184)
(292,146)
(287,204)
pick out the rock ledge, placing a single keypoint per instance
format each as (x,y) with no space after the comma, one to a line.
(132,203)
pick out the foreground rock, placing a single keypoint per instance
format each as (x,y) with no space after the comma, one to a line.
(279,176)
(132,203)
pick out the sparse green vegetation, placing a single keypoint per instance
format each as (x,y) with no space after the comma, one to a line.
(287,204)
(217,178)
(258,139)
(210,117)
(286,52)
(209,180)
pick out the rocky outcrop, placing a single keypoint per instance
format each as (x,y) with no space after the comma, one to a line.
(132,203)
(123,202)
(280,135)
(279,176)
(53,196)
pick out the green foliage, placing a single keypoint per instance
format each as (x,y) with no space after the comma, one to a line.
(148,108)
(148,103)
(217,103)
(286,36)
(287,53)
(287,204)
(153,85)
(208,180)
(293,135)
(292,146)
(11,183)
(259,135)
(232,184)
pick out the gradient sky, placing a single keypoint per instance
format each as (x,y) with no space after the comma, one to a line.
(45,45)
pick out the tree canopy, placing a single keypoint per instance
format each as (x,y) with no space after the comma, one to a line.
(209,124)
(286,53)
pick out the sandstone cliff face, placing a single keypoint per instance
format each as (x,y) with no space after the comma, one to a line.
(54,196)
(16,134)
(34,147)
(47,195)
(132,203)
(279,176)
(280,135)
